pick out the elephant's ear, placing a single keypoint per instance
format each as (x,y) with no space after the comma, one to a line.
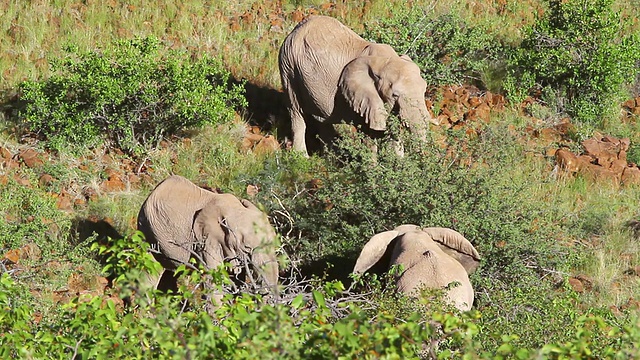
(198,226)
(373,250)
(358,86)
(453,240)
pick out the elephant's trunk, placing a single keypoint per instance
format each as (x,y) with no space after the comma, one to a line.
(267,268)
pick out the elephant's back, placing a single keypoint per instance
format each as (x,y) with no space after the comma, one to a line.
(325,38)
(166,217)
(312,58)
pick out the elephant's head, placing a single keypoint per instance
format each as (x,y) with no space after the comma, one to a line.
(449,241)
(425,263)
(379,80)
(228,229)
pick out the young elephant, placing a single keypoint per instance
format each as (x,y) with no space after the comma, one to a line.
(181,220)
(424,254)
(331,74)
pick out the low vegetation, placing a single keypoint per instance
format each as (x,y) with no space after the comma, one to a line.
(145,92)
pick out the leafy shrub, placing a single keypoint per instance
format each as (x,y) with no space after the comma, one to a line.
(30,215)
(304,327)
(131,93)
(577,57)
(471,188)
(447,49)
(362,194)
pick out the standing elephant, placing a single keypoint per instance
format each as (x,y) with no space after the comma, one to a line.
(424,254)
(331,74)
(181,220)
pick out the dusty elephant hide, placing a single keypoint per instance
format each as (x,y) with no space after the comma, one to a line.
(331,74)
(181,220)
(424,256)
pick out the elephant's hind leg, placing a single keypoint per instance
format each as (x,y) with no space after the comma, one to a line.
(298,130)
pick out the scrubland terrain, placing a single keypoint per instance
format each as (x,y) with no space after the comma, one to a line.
(534,161)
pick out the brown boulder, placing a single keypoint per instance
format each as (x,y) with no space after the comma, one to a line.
(568,161)
(267,145)
(576,285)
(618,166)
(631,175)
(599,173)
(64,201)
(252,190)
(46,180)
(114,181)
(5,154)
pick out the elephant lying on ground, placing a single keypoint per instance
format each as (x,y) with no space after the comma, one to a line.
(431,257)
(182,220)
(331,74)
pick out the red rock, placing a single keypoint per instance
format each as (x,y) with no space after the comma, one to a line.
(46,180)
(252,190)
(599,173)
(5,154)
(631,175)
(568,161)
(114,181)
(22,181)
(64,202)
(618,166)
(267,145)
(13,256)
(31,158)
(576,285)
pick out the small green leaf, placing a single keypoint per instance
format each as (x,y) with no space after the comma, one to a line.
(318,297)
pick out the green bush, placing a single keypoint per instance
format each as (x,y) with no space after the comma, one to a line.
(472,189)
(577,58)
(132,93)
(294,327)
(31,215)
(363,194)
(446,48)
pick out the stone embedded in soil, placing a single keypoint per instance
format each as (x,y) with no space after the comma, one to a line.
(64,201)
(631,175)
(46,180)
(5,154)
(114,182)
(29,251)
(267,145)
(576,285)
(12,256)
(252,190)
(31,158)
(604,160)
(22,181)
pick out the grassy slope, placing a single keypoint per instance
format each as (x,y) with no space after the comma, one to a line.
(247,35)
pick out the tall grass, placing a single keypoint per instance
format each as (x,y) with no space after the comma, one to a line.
(247,34)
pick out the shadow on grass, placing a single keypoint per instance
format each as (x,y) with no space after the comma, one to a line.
(267,109)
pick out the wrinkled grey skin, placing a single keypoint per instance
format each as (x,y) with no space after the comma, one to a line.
(425,263)
(181,220)
(331,74)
